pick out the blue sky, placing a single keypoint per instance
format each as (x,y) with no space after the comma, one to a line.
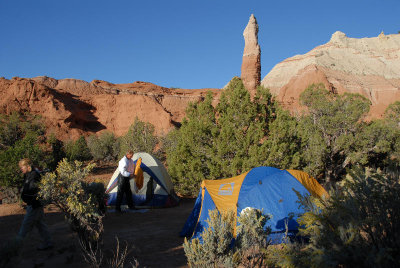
(182,43)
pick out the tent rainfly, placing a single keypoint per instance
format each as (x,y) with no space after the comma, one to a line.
(266,188)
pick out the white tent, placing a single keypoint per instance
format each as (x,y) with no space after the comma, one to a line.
(157,190)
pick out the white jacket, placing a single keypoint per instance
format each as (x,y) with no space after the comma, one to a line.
(126,166)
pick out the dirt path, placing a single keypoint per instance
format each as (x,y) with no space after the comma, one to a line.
(153,234)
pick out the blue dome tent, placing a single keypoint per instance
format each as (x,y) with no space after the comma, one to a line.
(266,188)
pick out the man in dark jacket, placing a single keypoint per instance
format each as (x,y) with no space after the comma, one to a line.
(34,210)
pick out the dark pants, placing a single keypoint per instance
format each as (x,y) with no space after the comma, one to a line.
(124,187)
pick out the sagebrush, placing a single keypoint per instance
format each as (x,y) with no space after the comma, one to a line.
(358,226)
(223,244)
(81,202)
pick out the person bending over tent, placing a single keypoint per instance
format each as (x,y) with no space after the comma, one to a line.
(126,168)
(151,188)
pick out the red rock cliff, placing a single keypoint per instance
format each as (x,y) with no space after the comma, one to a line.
(73,107)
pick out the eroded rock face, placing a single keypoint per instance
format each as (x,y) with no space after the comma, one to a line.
(369,66)
(72,107)
(251,63)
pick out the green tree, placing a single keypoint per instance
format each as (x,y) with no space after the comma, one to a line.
(283,145)
(57,151)
(77,150)
(374,144)
(392,113)
(189,151)
(10,175)
(392,119)
(243,124)
(103,147)
(222,141)
(21,136)
(139,138)
(328,131)
(15,126)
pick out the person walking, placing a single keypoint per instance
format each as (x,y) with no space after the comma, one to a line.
(34,216)
(126,168)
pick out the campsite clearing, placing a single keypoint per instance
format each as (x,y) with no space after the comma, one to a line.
(154,235)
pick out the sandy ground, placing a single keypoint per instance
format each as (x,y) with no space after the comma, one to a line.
(153,234)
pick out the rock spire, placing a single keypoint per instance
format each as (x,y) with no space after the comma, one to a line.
(251,63)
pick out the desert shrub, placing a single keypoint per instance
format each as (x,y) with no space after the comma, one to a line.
(77,150)
(252,237)
(328,131)
(335,137)
(15,126)
(359,225)
(10,130)
(21,136)
(92,253)
(392,119)
(82,203)
(9,194)
(56,151)
(28,147)
(119,257)
(139,138)
(217,246)
(104,147)
(84,208)
(392,113)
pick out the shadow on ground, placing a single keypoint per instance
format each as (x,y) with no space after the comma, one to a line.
(153,236)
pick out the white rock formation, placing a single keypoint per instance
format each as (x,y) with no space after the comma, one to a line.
(369,66)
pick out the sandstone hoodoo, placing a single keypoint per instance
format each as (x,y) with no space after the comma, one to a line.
(369,66)
(251,63)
